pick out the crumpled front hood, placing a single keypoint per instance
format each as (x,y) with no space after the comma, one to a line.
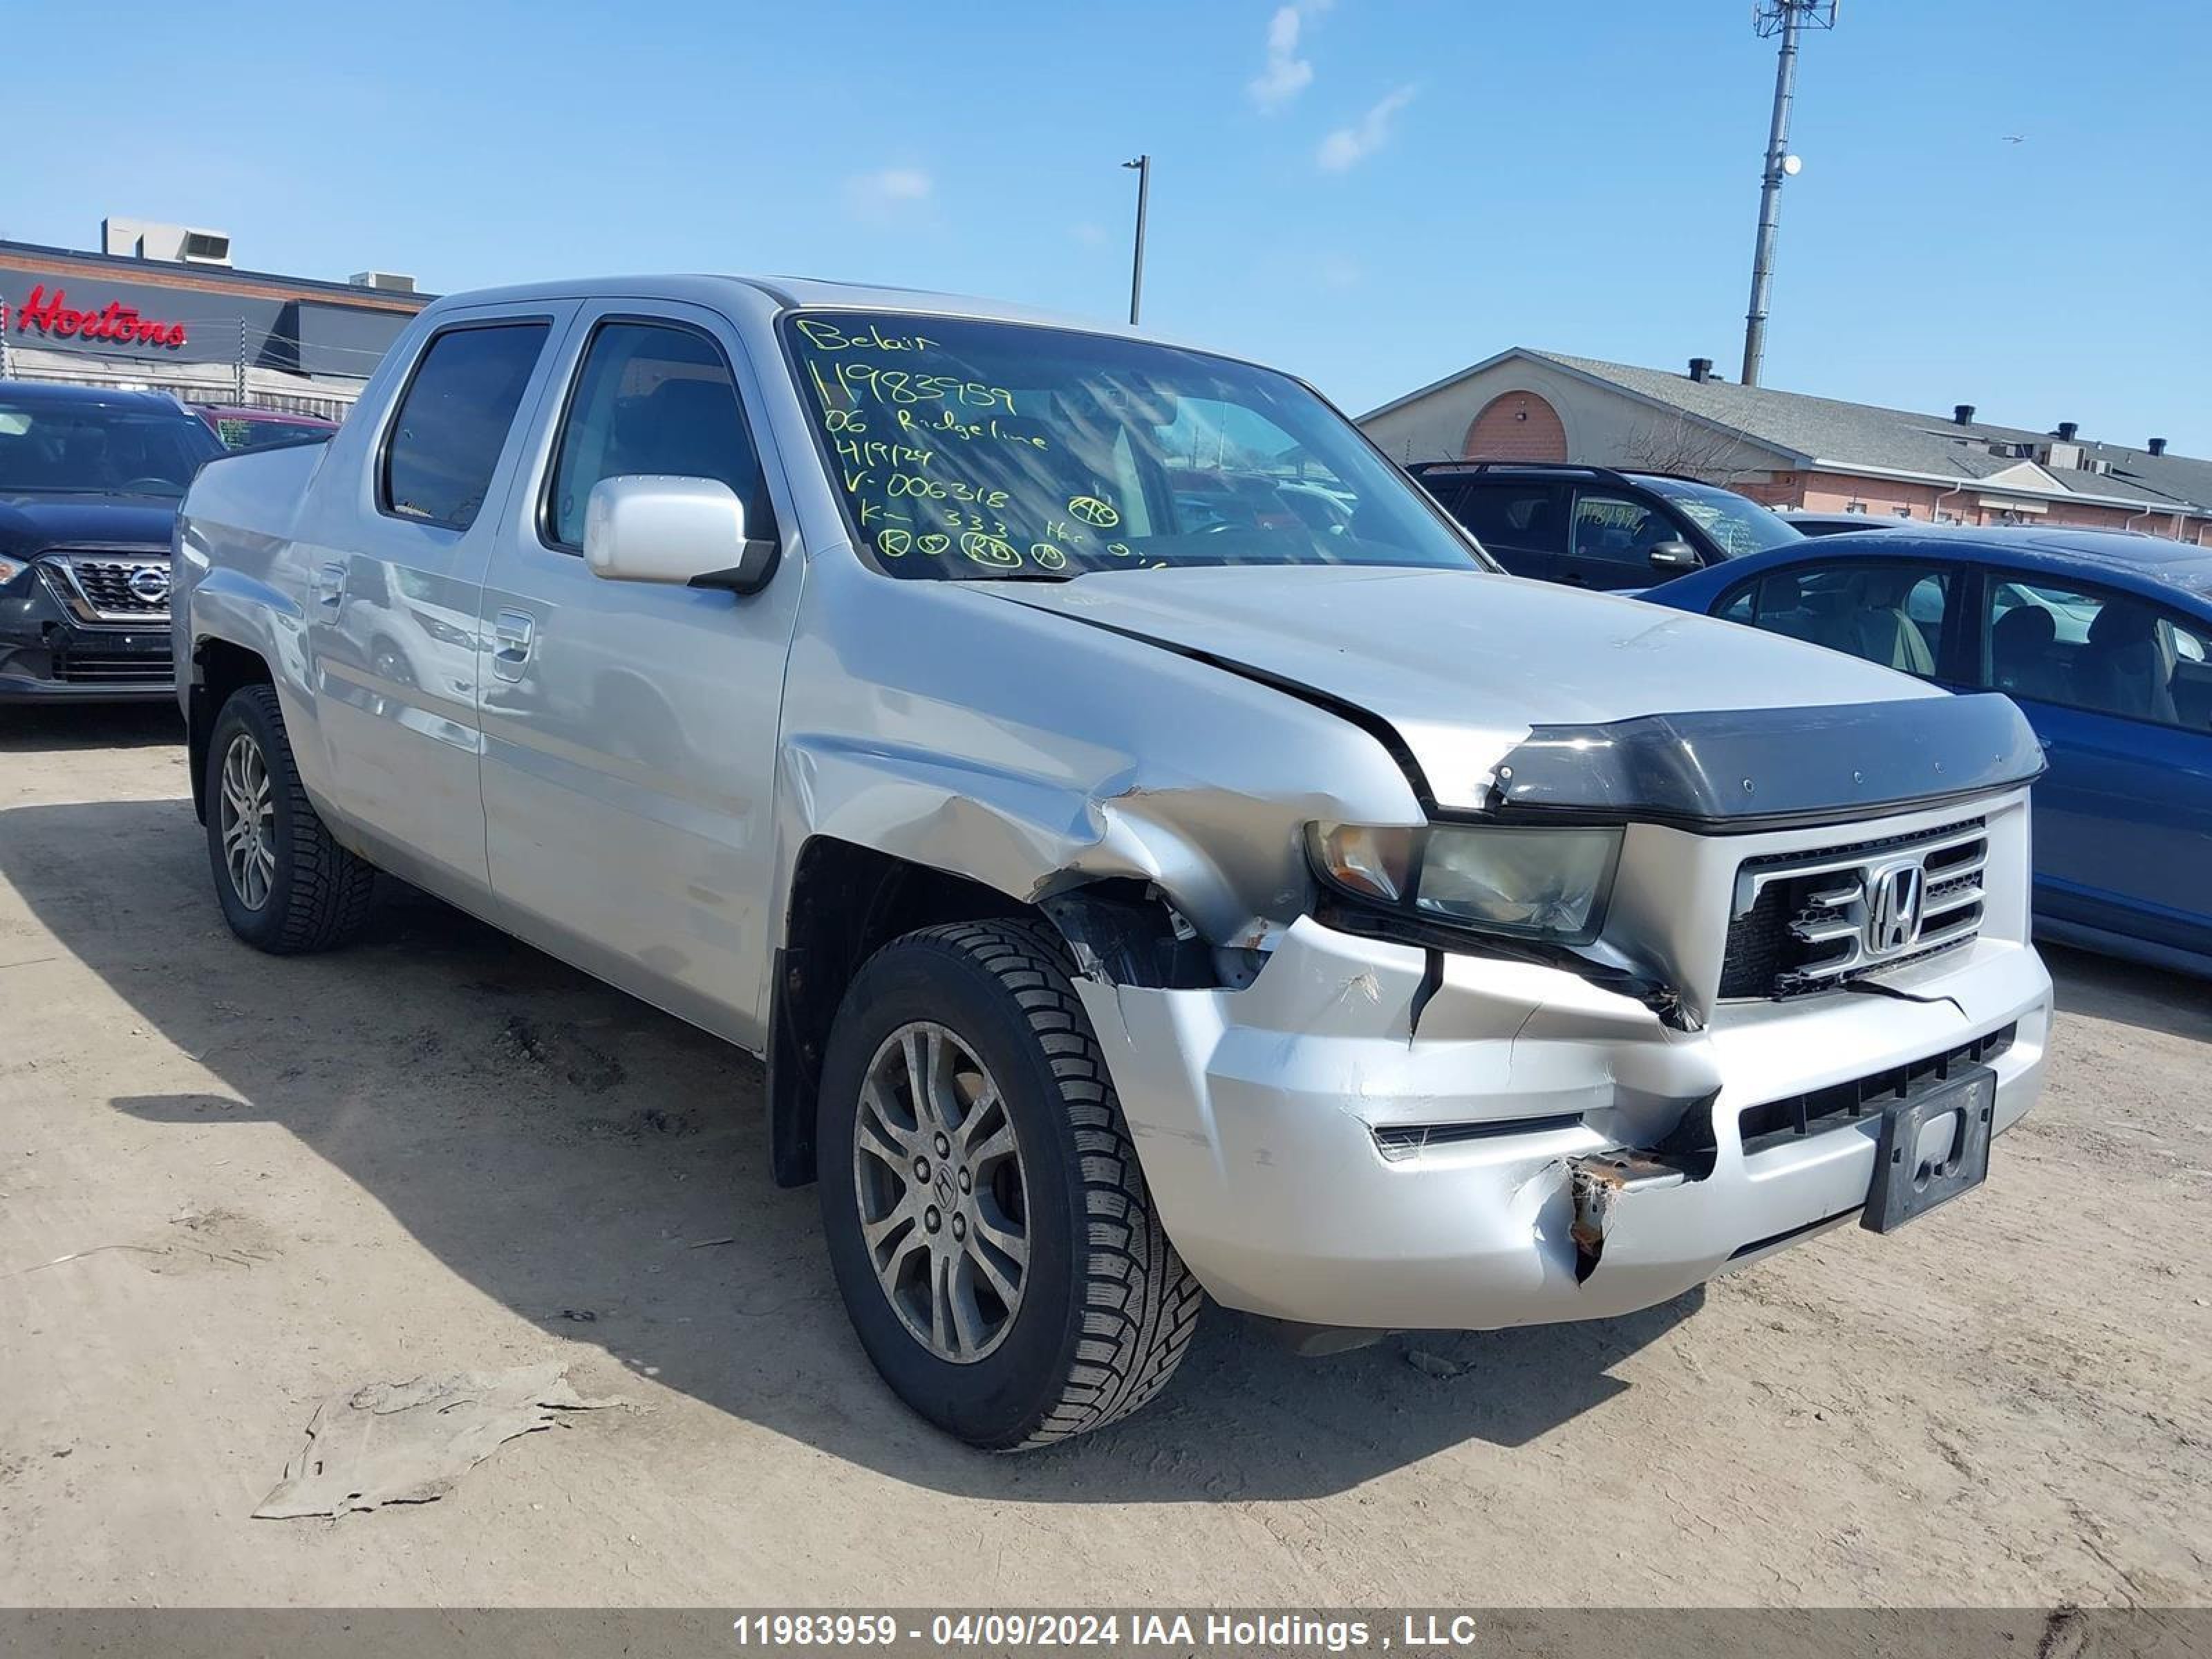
(1463,665)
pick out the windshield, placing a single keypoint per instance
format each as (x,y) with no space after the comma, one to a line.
(84,448)
(1739,524)
(978,450)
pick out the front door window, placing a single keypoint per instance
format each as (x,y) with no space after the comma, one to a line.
(656,399)
(1617,531)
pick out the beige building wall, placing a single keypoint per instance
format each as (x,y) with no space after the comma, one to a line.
(1601,428)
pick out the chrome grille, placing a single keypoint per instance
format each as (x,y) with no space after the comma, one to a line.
(1809,922)
(111,586)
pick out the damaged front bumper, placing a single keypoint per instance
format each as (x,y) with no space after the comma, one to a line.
(1545,1150)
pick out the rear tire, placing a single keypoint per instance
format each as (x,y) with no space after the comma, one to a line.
(1086,1312)
(285,884)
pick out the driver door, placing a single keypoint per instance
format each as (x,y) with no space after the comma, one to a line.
(631,728)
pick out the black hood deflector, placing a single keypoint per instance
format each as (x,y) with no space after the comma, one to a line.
(1739,769)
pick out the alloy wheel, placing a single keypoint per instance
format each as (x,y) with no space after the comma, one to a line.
(248,821)
(944,1202)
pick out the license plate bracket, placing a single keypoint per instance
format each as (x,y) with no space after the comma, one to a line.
(1916,1167)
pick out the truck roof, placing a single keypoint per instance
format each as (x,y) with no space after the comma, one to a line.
(782,294)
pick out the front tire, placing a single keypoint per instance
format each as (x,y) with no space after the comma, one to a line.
(285,884)
(985,1218)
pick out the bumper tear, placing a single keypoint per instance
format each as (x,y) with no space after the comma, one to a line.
(1868,988)
(1603,1184)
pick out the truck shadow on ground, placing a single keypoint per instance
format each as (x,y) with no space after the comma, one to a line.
(601,1170)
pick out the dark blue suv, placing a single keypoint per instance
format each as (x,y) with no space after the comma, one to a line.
(91,480)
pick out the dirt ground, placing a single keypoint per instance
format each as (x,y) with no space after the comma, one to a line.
(442,1151)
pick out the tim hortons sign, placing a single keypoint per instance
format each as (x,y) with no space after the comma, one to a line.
(51,314)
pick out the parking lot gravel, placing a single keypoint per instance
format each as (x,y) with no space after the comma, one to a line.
(231,1185)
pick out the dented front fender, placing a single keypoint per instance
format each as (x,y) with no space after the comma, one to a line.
(1033,754)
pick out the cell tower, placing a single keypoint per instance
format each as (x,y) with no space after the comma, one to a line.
(1786,18)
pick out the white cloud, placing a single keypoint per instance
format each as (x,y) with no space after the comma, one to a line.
(1285,74)
(1347,147)
(1089,234)
(883,193)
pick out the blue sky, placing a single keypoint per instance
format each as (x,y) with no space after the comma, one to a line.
(1373,193)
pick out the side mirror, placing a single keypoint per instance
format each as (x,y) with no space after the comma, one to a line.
(690,532)
(1673,556)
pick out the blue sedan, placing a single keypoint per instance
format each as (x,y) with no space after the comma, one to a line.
(2106,642)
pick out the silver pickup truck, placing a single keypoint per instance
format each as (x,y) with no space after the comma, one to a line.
(1153,849)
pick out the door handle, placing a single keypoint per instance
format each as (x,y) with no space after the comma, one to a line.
(514,632)
(330,584)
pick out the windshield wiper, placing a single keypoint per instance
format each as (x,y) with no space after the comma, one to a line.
(1029,576)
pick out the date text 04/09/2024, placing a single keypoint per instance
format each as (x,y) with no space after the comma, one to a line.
(1022,1629)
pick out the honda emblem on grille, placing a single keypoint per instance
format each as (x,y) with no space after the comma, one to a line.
(150,583)
(1896,895)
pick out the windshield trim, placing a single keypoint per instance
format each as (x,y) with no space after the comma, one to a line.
(817,436)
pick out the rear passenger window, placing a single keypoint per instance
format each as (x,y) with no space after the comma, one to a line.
(453,420)
(1525,516)
(652,398)
(1892,613)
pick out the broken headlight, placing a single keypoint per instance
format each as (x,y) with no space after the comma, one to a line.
(1532,884)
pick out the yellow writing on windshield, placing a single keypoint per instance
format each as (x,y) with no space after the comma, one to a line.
(989,549)
(946,424)
(872,451)
(828,336)
(934,489)
(852,381)
(922,435)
